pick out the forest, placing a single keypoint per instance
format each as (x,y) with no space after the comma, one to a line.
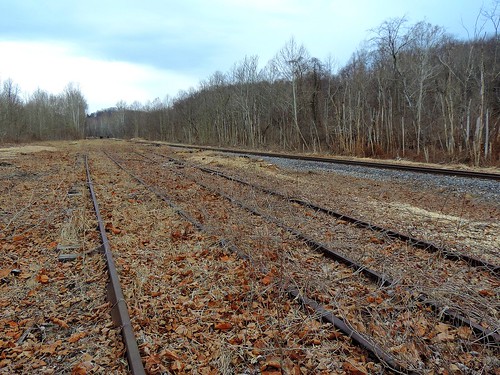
(411,91)
(42,116)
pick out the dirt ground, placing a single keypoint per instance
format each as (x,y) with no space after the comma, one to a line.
(196,306)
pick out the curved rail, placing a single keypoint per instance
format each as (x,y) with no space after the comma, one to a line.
(359,339)
(359,163)
(449,315)
(119,311)
(427,246)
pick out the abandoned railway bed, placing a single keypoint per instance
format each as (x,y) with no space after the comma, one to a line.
(223,266)
(165,176)
(380,278)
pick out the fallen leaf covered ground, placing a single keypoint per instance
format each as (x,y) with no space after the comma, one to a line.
(198,308)
(54,315)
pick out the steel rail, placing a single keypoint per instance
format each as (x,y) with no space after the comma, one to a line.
(119,311)
(359,163)
(386,359)
(448,315)
(427,246)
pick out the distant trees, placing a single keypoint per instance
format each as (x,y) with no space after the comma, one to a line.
(41,115)
(411,91)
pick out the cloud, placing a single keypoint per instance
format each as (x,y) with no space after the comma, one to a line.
(107,45)
(51,66)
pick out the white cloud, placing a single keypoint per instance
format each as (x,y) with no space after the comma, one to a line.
(142,50)
(51,67)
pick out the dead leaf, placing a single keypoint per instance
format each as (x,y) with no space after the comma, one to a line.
(39,363)
(18,237)
(170,354)
(376,240)
(60,322)
(109,227)
(79,370)
(12,324)
(4,272)
(454,368)
(370,299)
(271,364)
(464,332)
(266,280)
(76,337)
(82,368)
(223,326)
(487,293)
(445,336)
(442,328)
(44,279)
(350,369)
(177,366)
(152,360)
(50,349)
(408,350)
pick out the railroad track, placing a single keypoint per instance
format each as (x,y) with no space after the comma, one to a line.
(412,241)
(119,311)
(490,337)
(55,293)
(449,315)
(359,163)
(323,314)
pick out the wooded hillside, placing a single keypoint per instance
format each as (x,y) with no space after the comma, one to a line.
(412,91)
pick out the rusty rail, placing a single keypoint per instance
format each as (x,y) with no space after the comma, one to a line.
(376,352)
(427,246)
(119,311)
(449,315)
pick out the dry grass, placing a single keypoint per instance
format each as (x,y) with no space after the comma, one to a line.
(54,315)
(410,318)
(197,308)
(12,152)
(207,287)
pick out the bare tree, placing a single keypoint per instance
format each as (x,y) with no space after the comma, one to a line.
(75,107)
(292,62)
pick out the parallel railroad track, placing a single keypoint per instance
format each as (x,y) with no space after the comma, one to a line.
(421,244)
(450,315)
(323,314)
(486,335)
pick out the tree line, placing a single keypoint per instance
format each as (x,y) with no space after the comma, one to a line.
(412,91)
(41,116)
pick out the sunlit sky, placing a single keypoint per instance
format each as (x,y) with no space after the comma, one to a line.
(141,50)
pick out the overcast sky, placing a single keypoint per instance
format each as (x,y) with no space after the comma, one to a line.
(144,49)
